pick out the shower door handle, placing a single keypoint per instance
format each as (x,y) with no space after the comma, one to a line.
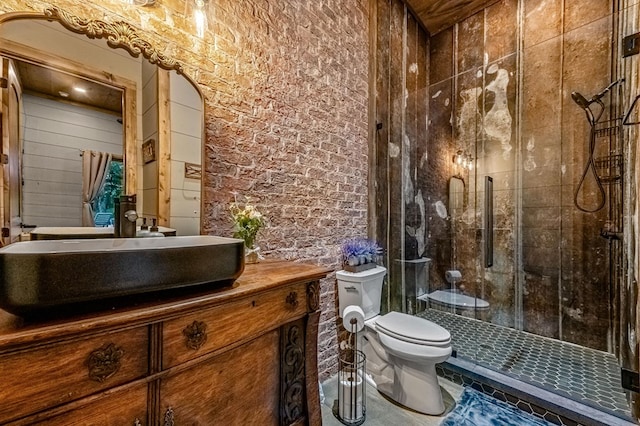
(488,221)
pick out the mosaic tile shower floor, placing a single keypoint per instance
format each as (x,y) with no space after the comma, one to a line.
(582,374)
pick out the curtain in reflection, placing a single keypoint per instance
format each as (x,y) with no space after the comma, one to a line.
(94,173)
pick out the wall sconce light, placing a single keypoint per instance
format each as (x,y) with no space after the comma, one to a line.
(463,160)
(140,2)
(200,17)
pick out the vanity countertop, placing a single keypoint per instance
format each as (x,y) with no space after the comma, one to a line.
(256,278)
(84,232)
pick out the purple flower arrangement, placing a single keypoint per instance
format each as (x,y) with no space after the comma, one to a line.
(359,254)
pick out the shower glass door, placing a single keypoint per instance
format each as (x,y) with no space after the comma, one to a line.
(507,214)
(549,249)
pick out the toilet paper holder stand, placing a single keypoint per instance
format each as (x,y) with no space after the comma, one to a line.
(350,407)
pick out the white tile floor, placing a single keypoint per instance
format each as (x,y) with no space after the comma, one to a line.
(383,412)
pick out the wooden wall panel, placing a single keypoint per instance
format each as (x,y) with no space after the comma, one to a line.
(380,82)
(414,223)
(396,127)
(400,84)
(164,151)
(55,134)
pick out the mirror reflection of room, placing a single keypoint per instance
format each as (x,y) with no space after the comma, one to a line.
(72,149)
(83,111)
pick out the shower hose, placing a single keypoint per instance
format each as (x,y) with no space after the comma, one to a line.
(591,165)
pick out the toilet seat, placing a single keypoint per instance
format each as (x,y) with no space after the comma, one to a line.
(413,330)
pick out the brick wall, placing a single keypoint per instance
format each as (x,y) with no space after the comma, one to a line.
(285,86)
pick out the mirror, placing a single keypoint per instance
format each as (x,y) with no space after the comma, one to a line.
(150,115)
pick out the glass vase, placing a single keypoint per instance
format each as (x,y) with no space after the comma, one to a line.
(251,254)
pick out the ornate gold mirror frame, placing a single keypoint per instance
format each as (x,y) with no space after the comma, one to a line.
(119,34)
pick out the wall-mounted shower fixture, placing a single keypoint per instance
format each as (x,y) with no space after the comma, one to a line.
(597,99)
(610,231)
(607,169)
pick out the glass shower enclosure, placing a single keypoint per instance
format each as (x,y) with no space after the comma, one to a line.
(505,176)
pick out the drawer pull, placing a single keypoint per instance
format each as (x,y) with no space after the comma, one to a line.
(195,335)
(168,417)
(292,299)
(104,362)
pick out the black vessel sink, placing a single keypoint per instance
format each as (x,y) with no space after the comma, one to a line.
(45,275)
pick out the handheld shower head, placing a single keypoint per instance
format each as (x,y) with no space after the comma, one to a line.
(586,106)
(580,100)
(584,103)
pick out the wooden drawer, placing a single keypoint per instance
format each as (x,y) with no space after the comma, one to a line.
(120,409)
(55,374)
(238,387)
(193,335)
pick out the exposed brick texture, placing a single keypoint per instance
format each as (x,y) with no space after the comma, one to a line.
(286,91)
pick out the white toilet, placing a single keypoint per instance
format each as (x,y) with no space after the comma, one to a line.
(402,350)
(453,300)
(461,304)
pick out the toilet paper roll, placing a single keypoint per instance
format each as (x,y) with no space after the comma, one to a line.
(350,396)
(453,276)
(353,318)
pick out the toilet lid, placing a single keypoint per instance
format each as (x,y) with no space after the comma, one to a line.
(412,329)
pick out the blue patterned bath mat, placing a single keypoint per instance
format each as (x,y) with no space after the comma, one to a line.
(478,409)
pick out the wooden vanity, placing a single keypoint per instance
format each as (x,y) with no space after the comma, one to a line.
(237,356)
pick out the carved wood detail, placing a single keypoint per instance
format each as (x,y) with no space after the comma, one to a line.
(313,296)
(104,362)
(292,299)
(154,407)
(195,335)
(119,34)
(314,412)
(292,372)
(169,417)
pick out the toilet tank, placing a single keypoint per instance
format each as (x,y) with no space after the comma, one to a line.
(363,289)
